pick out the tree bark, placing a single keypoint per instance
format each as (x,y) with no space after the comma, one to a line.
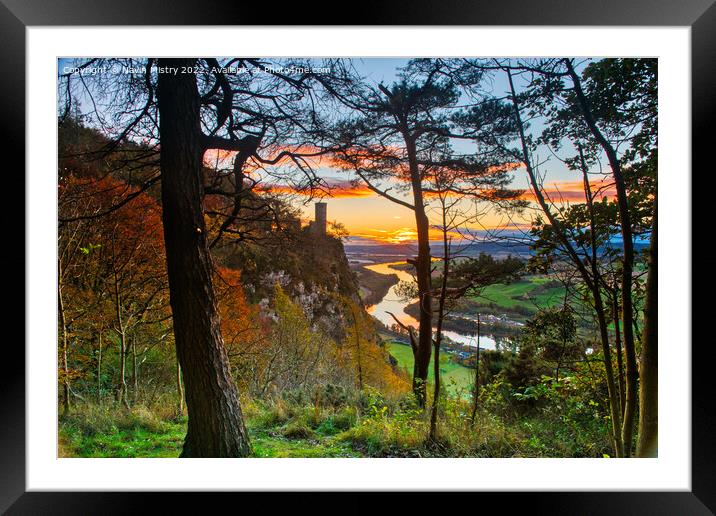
(619,353)
(135,371)
(65,369)
(99,371)
(476,390)
(122,388)
(180,391)
(438,333)
(422,267)
(215,423)
(647,444)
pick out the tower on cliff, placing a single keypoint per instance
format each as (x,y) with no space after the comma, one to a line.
(319,225)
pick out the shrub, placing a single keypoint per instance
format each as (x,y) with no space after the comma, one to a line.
(297,429)
(339,421)
(266,416)
(345,418)
(93,419)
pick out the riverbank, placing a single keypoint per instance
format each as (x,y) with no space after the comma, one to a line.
(460,330)
(373,286)
(497,327)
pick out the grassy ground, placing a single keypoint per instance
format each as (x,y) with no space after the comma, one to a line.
(529,293)
(96,432)
(456,377)
(335,421)
(364,424)
(265,445)
(92,431)
(167,442)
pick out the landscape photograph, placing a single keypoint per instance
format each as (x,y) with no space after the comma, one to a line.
(277,257)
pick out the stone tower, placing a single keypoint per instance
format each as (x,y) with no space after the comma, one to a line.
(319,226)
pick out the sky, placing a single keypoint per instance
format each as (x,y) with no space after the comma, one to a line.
(367,215)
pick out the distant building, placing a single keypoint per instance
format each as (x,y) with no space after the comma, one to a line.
(319,226)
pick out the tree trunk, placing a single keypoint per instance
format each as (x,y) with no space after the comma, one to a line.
(476,391)
(616,397)
(614,404)
(135,371)
(647,445)
(99,371)
(422,266)
(438,333)
(122,387)
(628,261)
(619,352)
(65,369)
(591,280)
(215,426)
(180,391)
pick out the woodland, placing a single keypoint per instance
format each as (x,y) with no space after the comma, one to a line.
(201,315)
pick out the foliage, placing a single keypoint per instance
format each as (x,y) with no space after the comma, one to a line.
(315,380)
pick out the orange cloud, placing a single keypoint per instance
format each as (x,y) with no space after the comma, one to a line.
(573,191)
(335,188)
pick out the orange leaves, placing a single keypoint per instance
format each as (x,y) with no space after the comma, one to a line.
(241,326)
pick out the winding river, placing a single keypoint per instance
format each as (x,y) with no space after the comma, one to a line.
(392,303)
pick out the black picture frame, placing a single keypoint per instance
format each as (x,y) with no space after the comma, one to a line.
(17,15)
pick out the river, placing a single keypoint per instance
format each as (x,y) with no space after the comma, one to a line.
(394,304)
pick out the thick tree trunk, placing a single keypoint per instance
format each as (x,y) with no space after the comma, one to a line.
(647,445)
(425,322)
(422,267)
(215,426)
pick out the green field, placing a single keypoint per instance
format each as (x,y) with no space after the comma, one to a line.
(455,377)
(529,293)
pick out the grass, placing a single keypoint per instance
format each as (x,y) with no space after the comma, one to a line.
(457,378)
(355,424)
(93,431)
(265,445)
(528,293)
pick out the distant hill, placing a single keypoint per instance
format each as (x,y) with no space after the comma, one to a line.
(361,249)
(358,249)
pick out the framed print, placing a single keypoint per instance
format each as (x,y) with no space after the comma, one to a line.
(358,258)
